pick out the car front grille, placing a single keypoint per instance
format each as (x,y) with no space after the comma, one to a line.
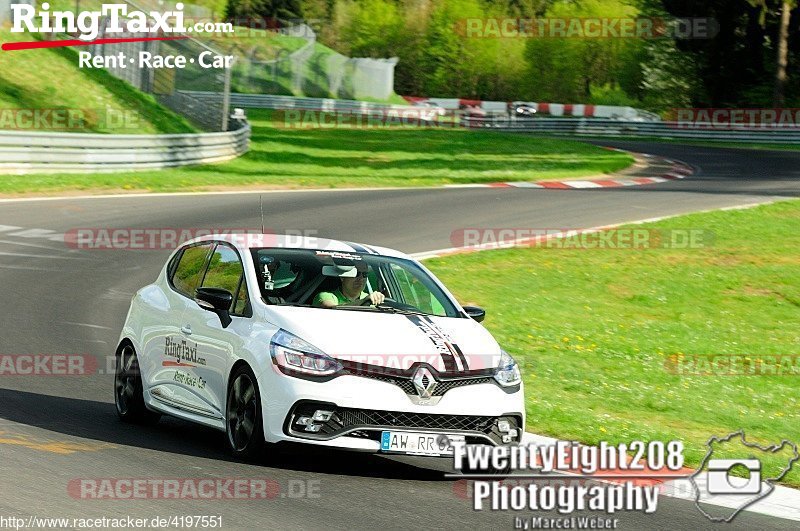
(443,386)
(347,418)
(361,422)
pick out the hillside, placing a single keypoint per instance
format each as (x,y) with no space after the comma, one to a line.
(51,80)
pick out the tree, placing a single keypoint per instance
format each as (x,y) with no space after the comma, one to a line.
(565,68)
(782,62)
(270,9)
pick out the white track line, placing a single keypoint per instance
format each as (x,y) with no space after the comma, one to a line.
(424,255)
(228,192)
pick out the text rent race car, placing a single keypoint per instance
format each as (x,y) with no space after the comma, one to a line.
(231,335)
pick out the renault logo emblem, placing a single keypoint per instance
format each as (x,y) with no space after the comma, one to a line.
(424,382)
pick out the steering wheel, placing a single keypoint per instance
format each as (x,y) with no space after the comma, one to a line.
(366,301)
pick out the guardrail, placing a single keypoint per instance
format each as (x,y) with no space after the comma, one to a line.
(450,106)
(269,101)
(640,129)
(26,152)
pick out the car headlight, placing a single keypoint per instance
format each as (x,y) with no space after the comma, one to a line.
(507,373)
(297,355)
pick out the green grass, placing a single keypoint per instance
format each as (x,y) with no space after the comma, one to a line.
(593,329)
(324,157)
(51,79)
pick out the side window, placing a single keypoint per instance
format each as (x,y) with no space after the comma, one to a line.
(410,295)
(225,271)
(240,304)
(190,269)
(415,293)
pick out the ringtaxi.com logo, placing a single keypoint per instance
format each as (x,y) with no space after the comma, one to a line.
(116,19)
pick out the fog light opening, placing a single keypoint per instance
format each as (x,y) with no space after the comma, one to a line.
(508,433)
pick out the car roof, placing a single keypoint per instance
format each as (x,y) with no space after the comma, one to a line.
(244,241)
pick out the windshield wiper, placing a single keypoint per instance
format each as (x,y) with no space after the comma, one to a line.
(403,311)
(379,309)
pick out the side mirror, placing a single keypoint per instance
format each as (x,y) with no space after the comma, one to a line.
(216,300)
(479,314)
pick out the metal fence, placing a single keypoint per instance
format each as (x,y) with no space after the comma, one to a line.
(172,87)
(269,101)
(167,85)
(26,152)
(311,70)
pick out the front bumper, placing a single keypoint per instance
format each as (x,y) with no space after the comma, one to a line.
(362,408)
(370,423)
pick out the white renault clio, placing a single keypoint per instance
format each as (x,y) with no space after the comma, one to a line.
(314,341)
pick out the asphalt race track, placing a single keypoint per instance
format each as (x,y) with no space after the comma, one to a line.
(61,300)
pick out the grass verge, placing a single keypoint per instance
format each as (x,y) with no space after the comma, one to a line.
(596,331)
(327,157)
(50,79)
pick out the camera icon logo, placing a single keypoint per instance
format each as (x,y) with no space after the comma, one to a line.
(737,473)
(721,479)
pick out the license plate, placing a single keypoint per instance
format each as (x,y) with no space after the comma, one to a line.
(416,443)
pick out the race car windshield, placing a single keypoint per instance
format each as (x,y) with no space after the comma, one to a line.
(305,277)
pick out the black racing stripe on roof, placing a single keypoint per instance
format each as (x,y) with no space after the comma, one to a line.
(370,249)
(358,248)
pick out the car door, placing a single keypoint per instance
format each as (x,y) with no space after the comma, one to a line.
(216,345)
(161,333)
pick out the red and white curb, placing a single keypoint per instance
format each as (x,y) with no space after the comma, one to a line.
(677,170)
(782,502)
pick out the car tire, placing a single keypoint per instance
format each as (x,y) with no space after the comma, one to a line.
(244,425)
(128,389)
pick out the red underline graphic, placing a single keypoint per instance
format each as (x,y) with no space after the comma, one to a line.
(30,45)
(175,364)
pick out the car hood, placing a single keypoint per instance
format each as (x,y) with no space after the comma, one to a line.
(393,340)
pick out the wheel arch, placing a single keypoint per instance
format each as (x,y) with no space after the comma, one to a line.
(125,341)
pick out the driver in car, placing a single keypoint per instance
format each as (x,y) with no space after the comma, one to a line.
(350,292)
